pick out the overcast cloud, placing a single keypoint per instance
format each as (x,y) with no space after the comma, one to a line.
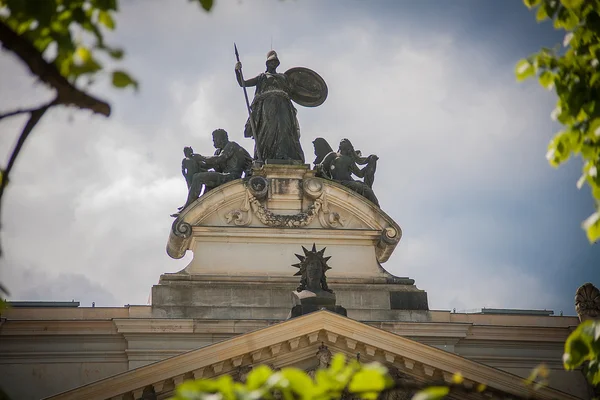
(428,86)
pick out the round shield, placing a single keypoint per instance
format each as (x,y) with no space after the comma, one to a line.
(307,87)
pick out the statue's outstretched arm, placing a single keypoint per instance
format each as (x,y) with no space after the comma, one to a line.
(225,155)
(247,83)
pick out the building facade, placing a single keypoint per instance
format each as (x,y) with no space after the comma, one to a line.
(231,308)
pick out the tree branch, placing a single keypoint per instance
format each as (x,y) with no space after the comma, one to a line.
(19,111)
(34,118)
(66,93)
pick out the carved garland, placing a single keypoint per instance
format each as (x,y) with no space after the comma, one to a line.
(252,206)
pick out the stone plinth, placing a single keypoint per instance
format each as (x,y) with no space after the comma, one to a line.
(230,298)
(244,235)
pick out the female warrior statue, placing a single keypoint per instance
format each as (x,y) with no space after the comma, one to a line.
(277,132)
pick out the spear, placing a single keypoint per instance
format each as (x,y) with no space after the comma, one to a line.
(237,56)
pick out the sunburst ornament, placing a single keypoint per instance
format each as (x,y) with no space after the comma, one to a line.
(311,254)
(306,260)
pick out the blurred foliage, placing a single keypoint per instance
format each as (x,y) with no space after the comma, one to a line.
(367,381)
(341,378)
(572,71)
(582,349)
(69,34)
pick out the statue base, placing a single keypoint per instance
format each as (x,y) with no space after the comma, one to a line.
(243,297)
(307,309)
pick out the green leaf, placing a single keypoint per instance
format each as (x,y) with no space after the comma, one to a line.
(593,372)
(539,373)
(106,19)
(541,13)
(560,148)
(523,70)
(338,362)
(206,4)
(531,3)
(258,377)
(117,54)
(83,54)
(121,79)
(299,381)
(432,393)
(225,387)
(367,381)
(547,80)
(577,346)
(572,3)
(106,4)
(592,228)
(566,19)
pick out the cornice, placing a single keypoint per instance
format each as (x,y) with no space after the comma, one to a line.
(518,333)
(298,333)
(57,327)
(57,357)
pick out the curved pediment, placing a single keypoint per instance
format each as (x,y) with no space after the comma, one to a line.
(280,205)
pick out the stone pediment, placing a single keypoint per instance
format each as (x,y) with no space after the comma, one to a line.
(295,343)
(253,227)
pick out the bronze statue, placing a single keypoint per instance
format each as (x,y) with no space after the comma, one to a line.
(229,162)
(312,268)
(191,164)
(313,293)
(272,121)
(339,166)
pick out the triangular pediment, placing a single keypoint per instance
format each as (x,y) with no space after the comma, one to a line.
(295,343)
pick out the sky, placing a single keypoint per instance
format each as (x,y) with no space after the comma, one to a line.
(428,86)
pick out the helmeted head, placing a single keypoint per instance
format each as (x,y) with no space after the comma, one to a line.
(312,268)
(272,60)
(188,151)
(220,138)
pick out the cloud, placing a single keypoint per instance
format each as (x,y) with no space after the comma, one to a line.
(461,150)
(32,283)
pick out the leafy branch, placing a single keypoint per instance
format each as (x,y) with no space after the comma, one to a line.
(340,380)
(573,73)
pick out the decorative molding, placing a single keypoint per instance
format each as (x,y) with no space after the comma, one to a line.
(313,337)
(389,357)
(158,386)
(137,393)
(331,202)
(275,349)
(429,371)
(406,352)
(256,355)
(181,229)
(370,350)
(252,206)
(198,373)
(180,378)
(293,343)
(237,361)
(332,337)
(351,343)
(218,367)
(587,302)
